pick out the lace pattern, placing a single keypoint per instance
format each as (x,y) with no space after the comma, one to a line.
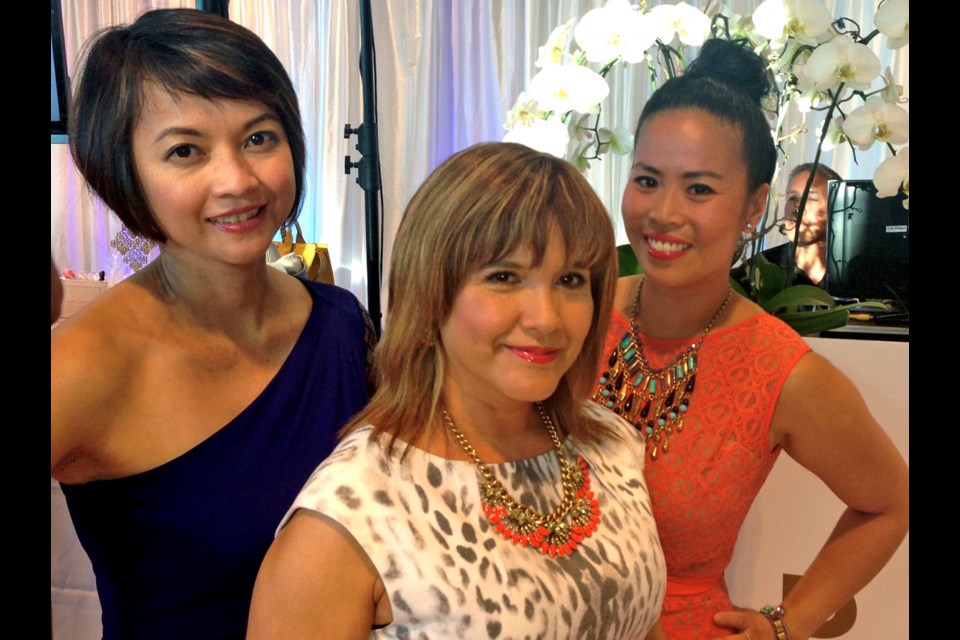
(701,492)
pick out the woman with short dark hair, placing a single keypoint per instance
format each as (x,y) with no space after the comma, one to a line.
(190,402)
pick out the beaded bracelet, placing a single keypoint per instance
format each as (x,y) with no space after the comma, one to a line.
(774,616)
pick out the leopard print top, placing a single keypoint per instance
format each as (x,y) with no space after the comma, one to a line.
(448,574)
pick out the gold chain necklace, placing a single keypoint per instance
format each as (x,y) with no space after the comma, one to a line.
(557,533)
(653,400)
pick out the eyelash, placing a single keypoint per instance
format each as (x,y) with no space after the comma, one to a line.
(579,280)
(262,138)
(569,280)
(502,277)
(645,182)
(185,147)
(268,136)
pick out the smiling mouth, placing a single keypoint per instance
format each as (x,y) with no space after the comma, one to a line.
(666,247)
(240,217)
(536,355)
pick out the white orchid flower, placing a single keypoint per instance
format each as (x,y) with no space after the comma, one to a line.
(614,31)
(789,57)
(548,135)
(556,46)
(893,21)
(717,8)
(665,21)
(807,95)
(742,27)
(618,140)
(580,154)
(691,25)
(892,175)
(563,88)
(581,128)
(892,92)
(804,20)
(524,111)
(835,135)
(877,120)
(842,60)
(738,25)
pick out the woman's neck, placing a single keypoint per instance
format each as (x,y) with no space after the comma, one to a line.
(673,313)
(499,433)
(219,296)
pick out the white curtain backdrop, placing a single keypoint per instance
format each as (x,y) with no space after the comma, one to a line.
(446,71)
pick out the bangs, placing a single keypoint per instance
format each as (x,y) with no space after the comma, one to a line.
(487,202)
(529,209)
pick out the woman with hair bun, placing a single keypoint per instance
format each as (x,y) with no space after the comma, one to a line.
(717,386)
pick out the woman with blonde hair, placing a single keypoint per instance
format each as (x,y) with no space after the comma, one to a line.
(478,495)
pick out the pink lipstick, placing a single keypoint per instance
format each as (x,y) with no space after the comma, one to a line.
(535,355)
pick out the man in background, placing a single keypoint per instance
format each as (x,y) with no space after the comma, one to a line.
(811,249)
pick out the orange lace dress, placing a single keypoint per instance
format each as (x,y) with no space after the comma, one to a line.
(702,488)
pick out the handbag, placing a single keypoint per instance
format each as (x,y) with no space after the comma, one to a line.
(315,256)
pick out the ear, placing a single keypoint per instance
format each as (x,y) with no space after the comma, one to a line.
(757,204)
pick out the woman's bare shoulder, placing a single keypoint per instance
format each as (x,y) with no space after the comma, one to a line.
(94,357)
(108,328)
(741,309)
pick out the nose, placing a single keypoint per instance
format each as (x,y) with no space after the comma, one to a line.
(541,309)
(234,175)
(666,206)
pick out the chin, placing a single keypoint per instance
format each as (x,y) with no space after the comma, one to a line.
(532,393)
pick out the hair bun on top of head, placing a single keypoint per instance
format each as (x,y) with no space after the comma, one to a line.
(733,63)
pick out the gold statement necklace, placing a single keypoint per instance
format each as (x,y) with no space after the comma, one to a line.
(557,533)
(653,400)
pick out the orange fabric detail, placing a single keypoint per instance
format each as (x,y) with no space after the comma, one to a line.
(679,586)
(702,489)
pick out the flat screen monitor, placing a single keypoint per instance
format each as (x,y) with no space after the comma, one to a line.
(868,242)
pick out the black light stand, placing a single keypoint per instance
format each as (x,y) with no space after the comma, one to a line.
(368,145)
(219,7)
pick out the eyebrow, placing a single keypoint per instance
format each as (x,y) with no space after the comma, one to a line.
(187,131)
(688,175)
(514,264)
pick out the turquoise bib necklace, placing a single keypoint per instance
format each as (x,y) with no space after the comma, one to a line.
(653,400)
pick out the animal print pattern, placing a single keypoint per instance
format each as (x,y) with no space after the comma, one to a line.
(448,574)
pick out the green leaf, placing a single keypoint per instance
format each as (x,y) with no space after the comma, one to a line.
(810,322)
(627,261)
(799,295)
(738,288)
(767,279)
